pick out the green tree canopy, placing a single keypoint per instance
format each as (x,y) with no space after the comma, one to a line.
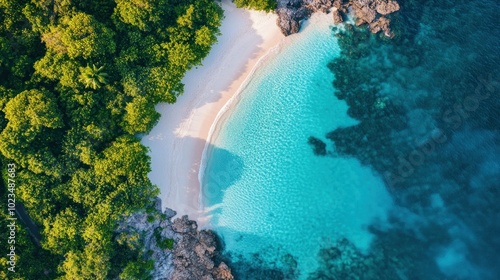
(263,5)
(141,115)
(93,77)
(79,80)
(138,13)
(63,232)
(32,116)
(33,109)
(82,36)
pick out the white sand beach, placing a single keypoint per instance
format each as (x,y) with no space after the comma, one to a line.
(178,140)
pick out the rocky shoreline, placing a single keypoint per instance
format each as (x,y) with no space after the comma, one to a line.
(370,12)
(179,250)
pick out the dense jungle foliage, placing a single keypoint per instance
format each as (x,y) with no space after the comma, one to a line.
(79,82)
(263,5)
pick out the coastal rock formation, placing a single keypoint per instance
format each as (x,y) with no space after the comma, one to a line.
(364,14)
(385,8)
(337,17)
(223,272)
(286,21)
(179,250)
(194,252)
(371,12)
(381,24)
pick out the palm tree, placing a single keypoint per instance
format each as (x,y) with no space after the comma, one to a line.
(93,77)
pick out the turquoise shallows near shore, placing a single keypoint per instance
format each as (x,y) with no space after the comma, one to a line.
(264,188)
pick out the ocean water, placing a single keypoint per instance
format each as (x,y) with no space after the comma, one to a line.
(408,185)
(268,194)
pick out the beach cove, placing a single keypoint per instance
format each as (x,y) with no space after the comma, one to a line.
(178,140)
(199,139)
(274,202)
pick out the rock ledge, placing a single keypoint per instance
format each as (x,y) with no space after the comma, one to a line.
(192,254)
(370,12)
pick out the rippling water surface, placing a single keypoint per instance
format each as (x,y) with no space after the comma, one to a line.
(407,187)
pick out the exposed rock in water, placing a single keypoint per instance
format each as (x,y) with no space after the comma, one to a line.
(337,17)
(371,12)
(382,24)
(364,14)
(179,250)
(223,272)
(385,8)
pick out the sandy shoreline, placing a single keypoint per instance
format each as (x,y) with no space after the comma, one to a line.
(178,140)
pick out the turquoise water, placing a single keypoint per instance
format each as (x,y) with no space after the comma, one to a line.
(427,102)
(403,179)
(271,199)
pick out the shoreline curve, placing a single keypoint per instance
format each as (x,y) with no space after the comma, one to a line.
(178,141)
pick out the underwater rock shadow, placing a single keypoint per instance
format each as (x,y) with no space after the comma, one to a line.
(270,262)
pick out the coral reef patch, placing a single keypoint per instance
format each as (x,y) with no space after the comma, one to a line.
(427,102)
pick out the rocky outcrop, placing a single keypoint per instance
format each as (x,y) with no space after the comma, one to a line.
(286,21)
(337,17)
(370,12)
(385,8)
(291,12)
(364,15)
(381,24)
(194,253)
(179,250)
(222,272)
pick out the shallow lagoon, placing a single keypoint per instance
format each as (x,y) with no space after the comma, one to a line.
(268,193)
(282,211)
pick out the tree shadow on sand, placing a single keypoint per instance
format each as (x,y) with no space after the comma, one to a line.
(222,170)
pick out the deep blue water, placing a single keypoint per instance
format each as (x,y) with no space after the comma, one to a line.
(404,183)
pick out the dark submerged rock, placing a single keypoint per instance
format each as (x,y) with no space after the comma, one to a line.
(294,3)
(319,147)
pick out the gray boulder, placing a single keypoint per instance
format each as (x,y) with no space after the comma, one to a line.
(286,21)
(193,253)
